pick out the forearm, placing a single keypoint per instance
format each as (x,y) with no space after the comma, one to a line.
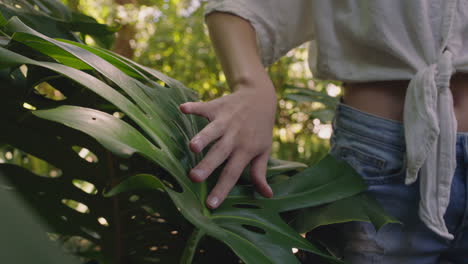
(234,41)
(241,123)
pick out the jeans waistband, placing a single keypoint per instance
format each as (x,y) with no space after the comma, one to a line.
(370,126)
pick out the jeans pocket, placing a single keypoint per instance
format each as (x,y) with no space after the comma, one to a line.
(374,161)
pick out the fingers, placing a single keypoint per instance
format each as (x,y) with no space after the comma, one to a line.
(258,171)
(197,108)
(211,132)
(217,154)
(227,180)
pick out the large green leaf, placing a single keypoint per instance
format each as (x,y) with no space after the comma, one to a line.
(21,230)
(156,131)
(326,182)
(137,213)
(51,17)
(308,95)
(356,208)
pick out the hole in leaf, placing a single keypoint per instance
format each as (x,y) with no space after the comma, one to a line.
(24,70)
(163,84)
(85,186)
(119,115)
(168,184)
(90,232)
(55,173)
(85,154)
(254,229)
(49,92)
(53,236)
(29,107)
(78,243)
(123,167)
(153,248)
(29,162)
(90,40)
(171,183)
(103,221)
(77,206)
(174,232)
(8,155)
(294,250)
(246,206)
(134,198)
(93,118)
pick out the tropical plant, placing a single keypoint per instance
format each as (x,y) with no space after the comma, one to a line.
(300,95)
(171,36)
(111,132)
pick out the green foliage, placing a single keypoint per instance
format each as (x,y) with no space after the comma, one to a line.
(20,232)
(355,208)
(56,20)
(119,145)
(171,37)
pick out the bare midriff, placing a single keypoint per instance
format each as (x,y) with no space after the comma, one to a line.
(387,98)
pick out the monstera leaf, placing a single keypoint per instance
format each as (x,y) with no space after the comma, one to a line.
(53,18)
(20,231)
(142,206)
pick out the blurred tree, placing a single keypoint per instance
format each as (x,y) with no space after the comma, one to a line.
(126,34)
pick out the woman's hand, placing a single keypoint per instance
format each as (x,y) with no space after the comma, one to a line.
(241,123)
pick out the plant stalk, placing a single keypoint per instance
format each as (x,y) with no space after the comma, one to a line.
(191,247)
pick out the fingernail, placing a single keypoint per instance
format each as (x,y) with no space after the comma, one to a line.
(196,144)
(198,173)
(183,107)
(213,201)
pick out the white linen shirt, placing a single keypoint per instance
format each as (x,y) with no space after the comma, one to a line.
(424,41)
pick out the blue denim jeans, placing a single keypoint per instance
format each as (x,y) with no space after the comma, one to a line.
(375,148)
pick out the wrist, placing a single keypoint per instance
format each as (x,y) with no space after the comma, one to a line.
(259,82)
(262,96)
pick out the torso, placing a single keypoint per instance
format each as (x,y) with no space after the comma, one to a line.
(386,99)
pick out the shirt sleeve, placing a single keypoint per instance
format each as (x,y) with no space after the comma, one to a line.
(280,25)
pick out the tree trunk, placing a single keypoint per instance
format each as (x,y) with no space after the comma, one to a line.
(125,35)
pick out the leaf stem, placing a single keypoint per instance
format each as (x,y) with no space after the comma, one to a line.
(191,247)
(118,228)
